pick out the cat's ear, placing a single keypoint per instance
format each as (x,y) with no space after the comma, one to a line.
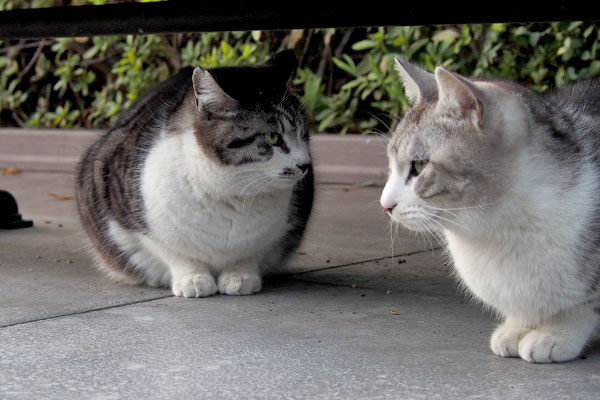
(456,92)
(209,95)
(418,83)
(284,65)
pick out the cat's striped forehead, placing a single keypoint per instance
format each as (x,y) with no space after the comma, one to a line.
(412,135)
(237,138)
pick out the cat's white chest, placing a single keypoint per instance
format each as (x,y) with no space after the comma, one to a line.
(197,224)
(511,272)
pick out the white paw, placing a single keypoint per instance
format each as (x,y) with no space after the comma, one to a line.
(239,283)
(505,340)
(545,347)
(196,285)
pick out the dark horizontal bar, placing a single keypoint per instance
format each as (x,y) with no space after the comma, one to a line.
(205,16)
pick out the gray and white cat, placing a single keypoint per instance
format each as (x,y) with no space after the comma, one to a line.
(511,180)
(204,184)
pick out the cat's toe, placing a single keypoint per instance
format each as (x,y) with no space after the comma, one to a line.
(199,285)
(546,347)
(239,283)
(505,340)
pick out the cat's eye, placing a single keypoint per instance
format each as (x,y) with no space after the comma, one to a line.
(272,138)
(417,166)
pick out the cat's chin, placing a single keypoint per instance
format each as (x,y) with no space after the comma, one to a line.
(412,222)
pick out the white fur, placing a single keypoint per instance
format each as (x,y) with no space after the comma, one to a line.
(211,226)
(533,246)
(520,254)
(516,259)
(527,266)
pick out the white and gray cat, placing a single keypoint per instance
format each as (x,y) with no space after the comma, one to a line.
(204,184)
(511,180)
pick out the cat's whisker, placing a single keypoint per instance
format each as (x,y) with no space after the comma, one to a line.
(435,236)
(379,119)
(248,174)
(257,187)
(395,120)
(429,233)
(397,227)
(435,226)
(420,234)
(426,233)
(427,207)
(391,227)
(466,207)
(432,215)
(391,232)
(261,185)
(257,182)
(247,180)
(232,174)
(242,194)
(247,184)
(462,226)
(373,202)
(383,139)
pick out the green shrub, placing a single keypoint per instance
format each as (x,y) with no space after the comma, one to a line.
(542,56)
(346,77)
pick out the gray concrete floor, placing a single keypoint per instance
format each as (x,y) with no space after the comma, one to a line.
(353,318)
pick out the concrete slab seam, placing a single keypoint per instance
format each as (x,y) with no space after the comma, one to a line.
(362,262)
(85,311)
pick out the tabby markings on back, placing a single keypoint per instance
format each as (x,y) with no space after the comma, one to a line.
(205,184)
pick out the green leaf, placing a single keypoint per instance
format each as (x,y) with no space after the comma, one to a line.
(91,52)
(327,122)
(73,115)
(364,45)
(226,47)
(574,25)
(343,66)
(498,27)
(399,41)
(352,84)
(588,31)
(447,35)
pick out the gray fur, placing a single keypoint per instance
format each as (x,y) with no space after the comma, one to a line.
(512,182)
(472,164)
(229,131)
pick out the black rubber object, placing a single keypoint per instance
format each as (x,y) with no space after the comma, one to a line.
(9,213)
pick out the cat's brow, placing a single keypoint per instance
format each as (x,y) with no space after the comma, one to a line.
(237,143)
(285,114)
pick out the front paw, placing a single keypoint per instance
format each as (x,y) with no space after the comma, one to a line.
(194,285)
(505,340)
(239,283)
(546,347)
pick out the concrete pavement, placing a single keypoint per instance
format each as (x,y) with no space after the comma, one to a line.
(351,319)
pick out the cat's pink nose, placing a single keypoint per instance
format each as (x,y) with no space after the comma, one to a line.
(388,207)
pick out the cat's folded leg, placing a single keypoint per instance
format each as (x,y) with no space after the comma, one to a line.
(189,278)
(505,339)
(192,282)
(240,280)
(561,339)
